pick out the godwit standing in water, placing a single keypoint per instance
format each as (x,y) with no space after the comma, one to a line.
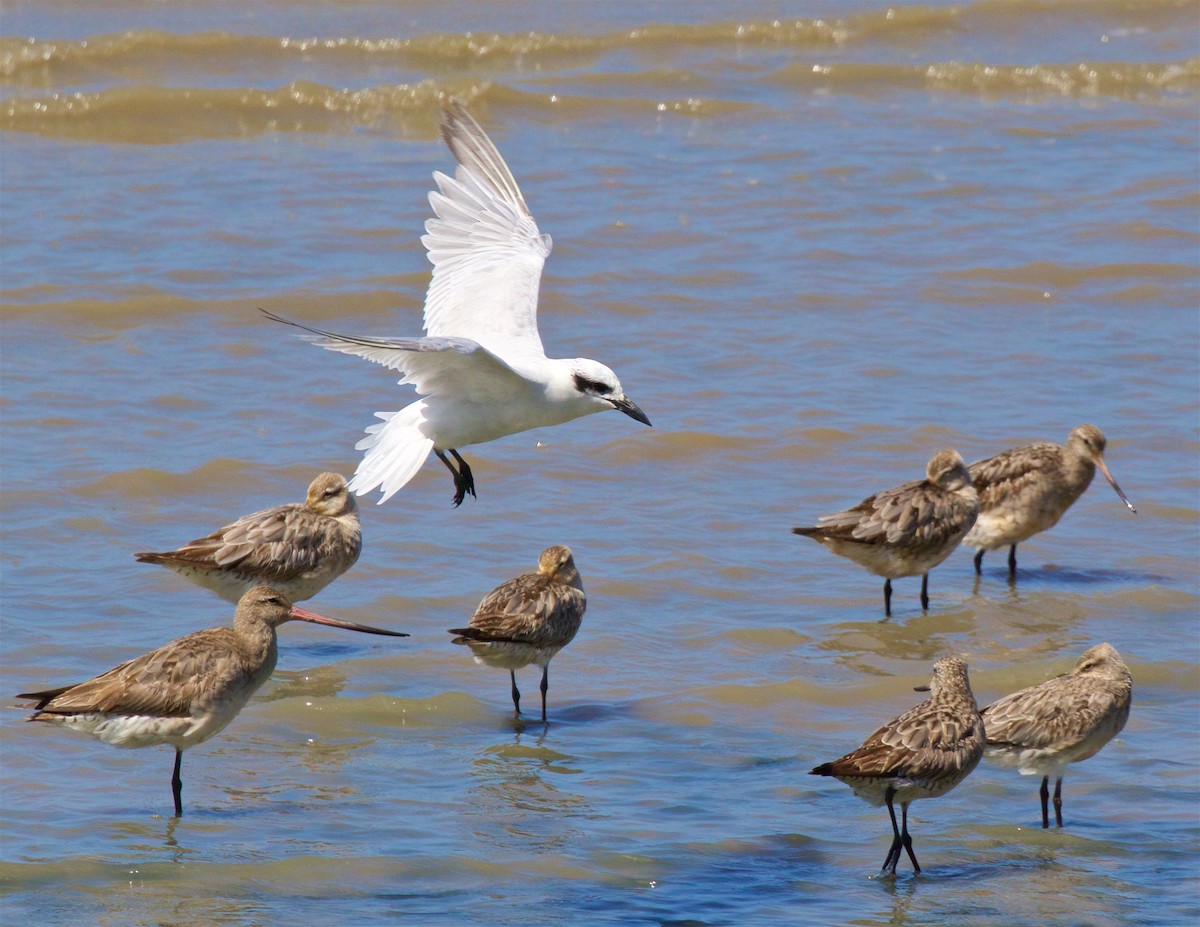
(186,691)
(1025,490)
(298,549)
(905,531)
(1067,719)
(528,619)
(481,368)
(924,753)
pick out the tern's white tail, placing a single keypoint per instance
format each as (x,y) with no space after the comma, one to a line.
(396,449)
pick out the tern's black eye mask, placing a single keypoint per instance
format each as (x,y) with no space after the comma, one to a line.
(584,385)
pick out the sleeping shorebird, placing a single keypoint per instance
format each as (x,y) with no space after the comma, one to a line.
(1067,719)
(924,753)
(481,368)
(186,691)
(298,549)
(1025,490)
(905,531)
(528,619)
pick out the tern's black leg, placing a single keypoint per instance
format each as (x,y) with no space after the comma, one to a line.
(545,685)
(464,481)
(893,857)
(516,694)
(979,561)
(1012,562)
(177,784)
(1058,801)
(464,473)
(1044,792)
(906,838)
(887,598)
(925,592)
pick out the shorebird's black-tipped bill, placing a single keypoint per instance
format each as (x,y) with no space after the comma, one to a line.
(302,614)
(1113,483)
(630,408)
(920,688)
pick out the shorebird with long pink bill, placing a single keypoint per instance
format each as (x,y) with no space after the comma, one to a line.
(297,549)
(186,691)
(1067,719)
(1025,490)
(924,753)
(528,620)
(905,531)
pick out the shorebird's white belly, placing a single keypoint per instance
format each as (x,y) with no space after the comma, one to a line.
(510,655)
(149,730)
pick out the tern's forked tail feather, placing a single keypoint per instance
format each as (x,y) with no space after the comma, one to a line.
(396,449)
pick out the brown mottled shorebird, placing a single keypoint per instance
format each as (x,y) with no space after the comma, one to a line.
(297,549)
(1067,719)
(1025,490)
(186,691)
(528,619)
(905,531)
(924,753)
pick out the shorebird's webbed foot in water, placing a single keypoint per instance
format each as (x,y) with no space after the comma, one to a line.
(464,481)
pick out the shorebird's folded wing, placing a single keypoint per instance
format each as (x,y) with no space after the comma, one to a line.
(527,610)
(1048,715)
(1011,472)
(163,682)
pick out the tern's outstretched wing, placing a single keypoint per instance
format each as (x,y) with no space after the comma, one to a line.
(485,247)
(430,364)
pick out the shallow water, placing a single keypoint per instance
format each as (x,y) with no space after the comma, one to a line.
(816,249)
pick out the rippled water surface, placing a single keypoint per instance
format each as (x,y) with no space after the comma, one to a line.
(817,241)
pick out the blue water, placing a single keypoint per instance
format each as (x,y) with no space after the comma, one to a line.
(810,283)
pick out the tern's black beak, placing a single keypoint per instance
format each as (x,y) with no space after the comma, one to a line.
(630,408)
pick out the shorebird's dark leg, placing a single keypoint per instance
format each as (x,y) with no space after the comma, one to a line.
(906,838)
(893,857)
(979,561)
(925,592)
(464,481)
(1045,794)
(545,685)
(177,784)
(1012,562)
(1058,801)
(516,694)
(887,598)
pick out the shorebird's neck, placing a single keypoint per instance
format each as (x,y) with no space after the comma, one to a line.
(257,642)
